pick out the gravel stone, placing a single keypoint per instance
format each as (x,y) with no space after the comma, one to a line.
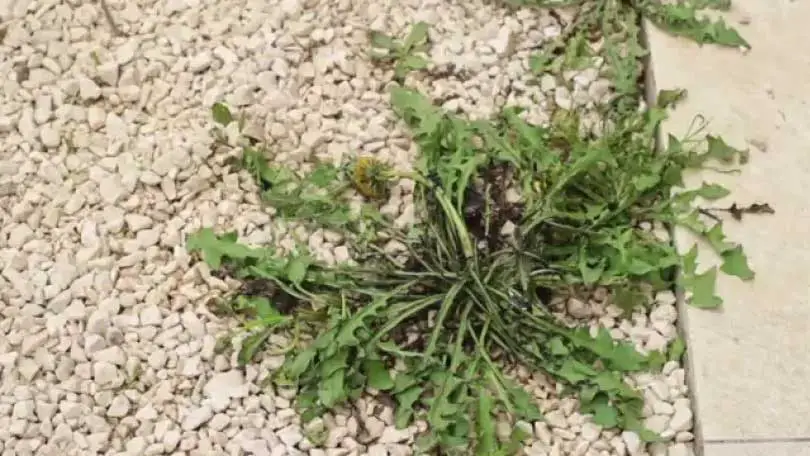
(682,418)
(375,427)
(88,90)
(393,435)
(50,136)
(109,163)
(684,437)
(197,418)
(578,309)
(657,423)
(557,419)
(137,222)
(224,386)
(662,408)
(632,443)
(590,432)
(219,422)
(151,316)
(680,449)
(105,374)
(98,322)
(290,435)
(119,407)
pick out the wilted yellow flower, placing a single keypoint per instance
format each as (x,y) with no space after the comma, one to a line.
(369,177)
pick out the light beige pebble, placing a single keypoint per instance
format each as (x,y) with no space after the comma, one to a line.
(113,163)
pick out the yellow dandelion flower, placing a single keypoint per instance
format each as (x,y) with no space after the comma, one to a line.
(369,177)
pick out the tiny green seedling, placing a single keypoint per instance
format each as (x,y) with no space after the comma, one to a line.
(404,55)
(221,114)
(317,435)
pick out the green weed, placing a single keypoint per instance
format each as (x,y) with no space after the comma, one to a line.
(404,55)
(433,331)
(682,18)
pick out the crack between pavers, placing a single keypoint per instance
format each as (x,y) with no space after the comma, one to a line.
(749,441)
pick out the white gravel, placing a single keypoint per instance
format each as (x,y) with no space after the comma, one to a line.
(106,163)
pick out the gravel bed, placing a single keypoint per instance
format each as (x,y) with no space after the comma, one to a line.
(107,344)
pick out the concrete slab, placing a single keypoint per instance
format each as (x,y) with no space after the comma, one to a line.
(750,363)
(758,449)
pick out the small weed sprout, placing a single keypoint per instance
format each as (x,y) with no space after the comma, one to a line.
(405,55)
